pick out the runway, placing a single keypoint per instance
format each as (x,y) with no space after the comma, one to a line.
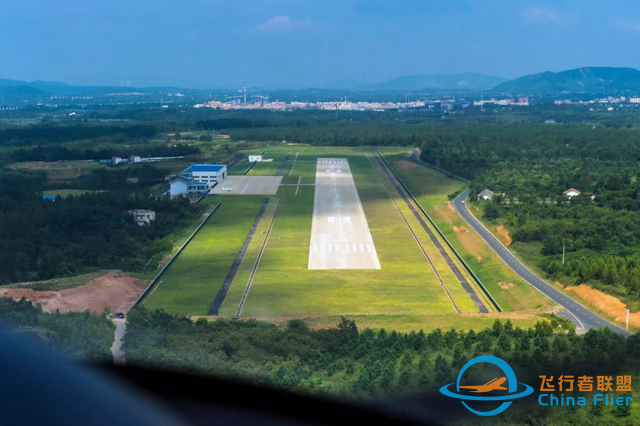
(340,236)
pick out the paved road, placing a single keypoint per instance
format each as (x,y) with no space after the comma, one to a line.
(116,348)
(580,315)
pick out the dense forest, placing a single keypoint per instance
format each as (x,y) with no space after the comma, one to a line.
(348,362)
(81,336)
(42,239)
(529,168)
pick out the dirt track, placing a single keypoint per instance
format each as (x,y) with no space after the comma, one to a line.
(112,290)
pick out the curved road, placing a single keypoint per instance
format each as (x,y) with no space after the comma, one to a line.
(580,315)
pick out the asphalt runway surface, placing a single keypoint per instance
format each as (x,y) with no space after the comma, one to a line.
(340,236)
(577,313)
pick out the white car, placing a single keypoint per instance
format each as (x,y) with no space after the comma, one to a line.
(462,201)
(227,189)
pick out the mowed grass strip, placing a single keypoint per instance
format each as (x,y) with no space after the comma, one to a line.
(284,285)
(459,295)
(431,189)
(234,295)
(191,283)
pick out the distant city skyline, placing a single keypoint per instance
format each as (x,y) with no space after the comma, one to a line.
(302,43)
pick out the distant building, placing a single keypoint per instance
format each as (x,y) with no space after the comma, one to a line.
(142,217)
(550,121)
(49,197)
(571,192)
(183,186)
(634,100)
(485,194)
(134,159)
(254,158)
(211,174)
(116,160)
(105,161)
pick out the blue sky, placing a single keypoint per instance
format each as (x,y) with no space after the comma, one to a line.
(302,43)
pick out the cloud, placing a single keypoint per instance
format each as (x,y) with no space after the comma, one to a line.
(282,23)
(626,25)
(540,14)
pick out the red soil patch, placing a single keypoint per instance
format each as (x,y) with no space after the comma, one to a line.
(610,305)
(504,233)
(460,229)
(112,290)
(450,206)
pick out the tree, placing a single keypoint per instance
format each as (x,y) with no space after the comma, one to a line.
(504,341)
(497,328)
(622,411)
(388,373)
(508,327)
(442,369)
(459,356)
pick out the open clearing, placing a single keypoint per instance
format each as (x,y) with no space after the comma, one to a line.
(340,237)
(112,290)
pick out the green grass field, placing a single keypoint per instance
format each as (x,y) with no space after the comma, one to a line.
(191,283)
(431,189)
(284,285)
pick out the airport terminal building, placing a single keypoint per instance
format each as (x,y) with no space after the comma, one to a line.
(211,174)
(198,179)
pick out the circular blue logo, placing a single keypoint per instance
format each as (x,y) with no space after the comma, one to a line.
(495,384)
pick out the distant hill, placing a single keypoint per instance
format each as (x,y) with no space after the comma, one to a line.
(590,79)
(18,90)
(467,80)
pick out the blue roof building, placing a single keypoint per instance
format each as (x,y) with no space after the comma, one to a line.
(210,174)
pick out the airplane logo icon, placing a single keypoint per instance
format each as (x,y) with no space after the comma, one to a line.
(487,387)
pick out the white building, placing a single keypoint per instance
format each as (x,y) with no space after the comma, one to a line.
(182,186)
(116,160)
(254,158)
(485,194)
(211,174)
(142,217)
(634,100)
(571,192)
(134,159)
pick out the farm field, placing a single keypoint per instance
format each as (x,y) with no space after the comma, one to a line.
(191,283)
(431,190)
(284,285)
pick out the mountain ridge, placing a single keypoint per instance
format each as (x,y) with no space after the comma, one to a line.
(577,80)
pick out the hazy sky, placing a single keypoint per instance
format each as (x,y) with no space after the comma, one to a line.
(301,43)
